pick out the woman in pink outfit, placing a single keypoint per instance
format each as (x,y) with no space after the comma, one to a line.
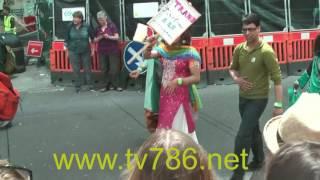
(179,100)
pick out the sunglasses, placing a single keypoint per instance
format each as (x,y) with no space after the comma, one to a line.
(244,30)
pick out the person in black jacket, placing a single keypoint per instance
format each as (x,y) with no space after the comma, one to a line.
(78,44)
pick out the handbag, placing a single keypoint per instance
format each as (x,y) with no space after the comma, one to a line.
(9,98)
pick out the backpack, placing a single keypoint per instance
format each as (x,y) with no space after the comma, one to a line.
(9,98)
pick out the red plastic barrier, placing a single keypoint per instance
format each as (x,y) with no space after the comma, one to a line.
(57,45)
(59,60)
(216,52)
(95,65)
(300,45)
(201,45)
(278,41)
(220,50)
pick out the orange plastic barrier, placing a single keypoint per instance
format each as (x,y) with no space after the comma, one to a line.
(201,45)
(220,50)
(300,45)
(293,50)
(59,60)
(278,41)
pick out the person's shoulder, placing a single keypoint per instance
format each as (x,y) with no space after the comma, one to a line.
(240,46)
(192,48)
(85,25)
(114,27)
(266,48)
(70,25)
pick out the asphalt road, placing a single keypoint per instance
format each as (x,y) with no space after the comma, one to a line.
(55,120)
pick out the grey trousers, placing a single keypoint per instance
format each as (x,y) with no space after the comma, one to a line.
(3,56)
(76,59)
(110,67)
(249,136)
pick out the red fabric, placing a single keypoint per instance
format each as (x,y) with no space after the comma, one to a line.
(150,32)
(9,99)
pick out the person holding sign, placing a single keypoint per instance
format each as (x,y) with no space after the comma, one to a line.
(179,100)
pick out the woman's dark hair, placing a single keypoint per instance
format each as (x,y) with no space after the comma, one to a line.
(78,14)
(186,37)
(300,161)
(316,49)
(251,18)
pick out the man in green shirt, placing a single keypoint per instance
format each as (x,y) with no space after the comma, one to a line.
(254,64)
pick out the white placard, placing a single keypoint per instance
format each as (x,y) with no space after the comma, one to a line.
(173,19)
(145,10)
(268,39)
(228,41)
(305,35)
(141,33)
(67,13)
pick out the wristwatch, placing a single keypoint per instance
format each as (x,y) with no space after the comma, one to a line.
(278,105)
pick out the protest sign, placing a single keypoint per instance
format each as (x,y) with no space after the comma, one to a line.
(173,19)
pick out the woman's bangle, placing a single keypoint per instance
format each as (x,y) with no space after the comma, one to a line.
(139,69)
(278,105)
(180,81)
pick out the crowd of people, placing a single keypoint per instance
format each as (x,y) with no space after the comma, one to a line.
(254,63)
(106,36)
(172,102)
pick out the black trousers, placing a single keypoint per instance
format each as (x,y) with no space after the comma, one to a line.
(249,136)
(75,60)
(110,67)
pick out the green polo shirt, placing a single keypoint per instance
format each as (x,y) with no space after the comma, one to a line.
(259,66)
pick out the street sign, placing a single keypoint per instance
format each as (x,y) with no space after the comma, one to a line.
(34,48)
(173,19)
(129,51)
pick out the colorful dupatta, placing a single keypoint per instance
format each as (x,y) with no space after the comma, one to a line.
(182,53)
(178,52)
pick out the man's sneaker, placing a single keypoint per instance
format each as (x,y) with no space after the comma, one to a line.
(5,124)
(255,165)
(119,89)
(107,88)
(236,176)
(88,88)
(78,89)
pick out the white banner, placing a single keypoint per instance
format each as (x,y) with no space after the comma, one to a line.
(145,10)
(173,19)
(67,13)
